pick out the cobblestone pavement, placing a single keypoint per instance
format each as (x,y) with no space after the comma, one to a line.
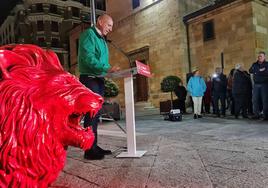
(207,152)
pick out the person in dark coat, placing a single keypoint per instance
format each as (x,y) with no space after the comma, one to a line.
(259,69)
(207,95)
(181,93)
(219,86)
(230,98)
(241,90)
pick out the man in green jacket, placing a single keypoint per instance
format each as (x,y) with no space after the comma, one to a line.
(93,63)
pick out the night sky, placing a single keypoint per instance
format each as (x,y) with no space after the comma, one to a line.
(5,7)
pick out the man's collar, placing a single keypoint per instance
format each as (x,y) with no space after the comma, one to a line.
(99,32)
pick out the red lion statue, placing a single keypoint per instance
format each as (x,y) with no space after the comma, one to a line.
(41,107)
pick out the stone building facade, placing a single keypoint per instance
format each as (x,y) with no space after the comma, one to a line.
(152,32)
(226,33)
(46,23)
(74,43)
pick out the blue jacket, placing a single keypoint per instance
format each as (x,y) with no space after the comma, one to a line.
(196,86)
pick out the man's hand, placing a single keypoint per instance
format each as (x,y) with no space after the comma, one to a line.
(114,69)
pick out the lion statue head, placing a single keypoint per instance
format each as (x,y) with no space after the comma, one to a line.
(41,108)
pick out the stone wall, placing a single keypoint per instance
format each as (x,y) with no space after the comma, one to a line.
(234,37)
(157,24)
(260,21)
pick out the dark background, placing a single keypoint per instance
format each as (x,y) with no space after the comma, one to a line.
(5,7)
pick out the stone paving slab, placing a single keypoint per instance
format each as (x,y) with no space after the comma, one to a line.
(203,153)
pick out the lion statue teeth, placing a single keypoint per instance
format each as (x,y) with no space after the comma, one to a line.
(41,107)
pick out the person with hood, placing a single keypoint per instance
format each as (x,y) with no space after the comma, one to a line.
(196,87)
(241,89)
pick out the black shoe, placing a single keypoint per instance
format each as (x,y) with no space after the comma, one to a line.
(265,119)
(199,116)
(93,154)
(255,117)
(195,116)
(236,116)
(103,151)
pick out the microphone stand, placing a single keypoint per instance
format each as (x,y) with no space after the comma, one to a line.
(120,50)
(125,55)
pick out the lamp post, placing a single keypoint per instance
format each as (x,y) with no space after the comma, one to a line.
(93,12)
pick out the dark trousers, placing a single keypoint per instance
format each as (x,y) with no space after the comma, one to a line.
(216,98)
(250,105)
(97,86)
(207,107)
(260,99)
(241,103)
(181,105)
(231,101)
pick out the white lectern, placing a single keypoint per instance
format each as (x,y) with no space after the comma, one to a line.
(130,112)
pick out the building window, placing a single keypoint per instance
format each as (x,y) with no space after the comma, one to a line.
(208,30)
(54,26)
(135,3)
(75,12)
(55,42)
(40,26)
(41,41)
(100,5)
(39,7)
(53,9)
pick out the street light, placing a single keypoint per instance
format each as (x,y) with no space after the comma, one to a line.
(93,12)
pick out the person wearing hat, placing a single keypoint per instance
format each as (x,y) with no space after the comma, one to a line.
(241,94)
(196,87)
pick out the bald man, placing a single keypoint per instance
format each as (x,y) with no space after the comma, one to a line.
(93,63)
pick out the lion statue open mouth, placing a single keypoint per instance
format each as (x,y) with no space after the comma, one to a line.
(41,107)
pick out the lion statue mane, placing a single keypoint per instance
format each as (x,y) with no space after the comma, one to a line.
(41,108)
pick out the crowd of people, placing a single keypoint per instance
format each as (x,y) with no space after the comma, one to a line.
(244,93)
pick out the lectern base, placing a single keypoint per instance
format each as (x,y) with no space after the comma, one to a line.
(138,154)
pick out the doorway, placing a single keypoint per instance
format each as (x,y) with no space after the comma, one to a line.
(140,82)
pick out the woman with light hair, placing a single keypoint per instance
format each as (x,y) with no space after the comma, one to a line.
(196,87)
(241,90)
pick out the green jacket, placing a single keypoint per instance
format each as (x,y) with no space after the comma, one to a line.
(93,54)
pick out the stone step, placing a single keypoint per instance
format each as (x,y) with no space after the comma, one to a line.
(147,112)
(139,106)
